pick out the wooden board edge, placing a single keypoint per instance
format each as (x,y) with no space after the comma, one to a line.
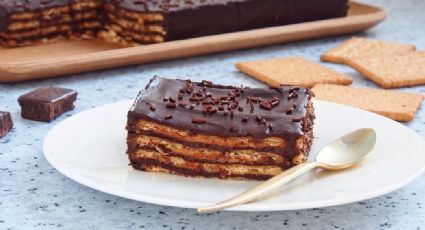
(16,72)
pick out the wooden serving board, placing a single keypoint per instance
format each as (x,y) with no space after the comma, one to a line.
(69,57)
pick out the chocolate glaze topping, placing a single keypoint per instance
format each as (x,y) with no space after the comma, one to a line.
(223,110)
(45,104)
(48,94)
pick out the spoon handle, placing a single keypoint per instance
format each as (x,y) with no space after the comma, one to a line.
(261,189)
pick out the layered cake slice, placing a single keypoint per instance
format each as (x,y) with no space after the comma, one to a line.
(202,129)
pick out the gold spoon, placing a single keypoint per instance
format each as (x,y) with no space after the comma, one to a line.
(342,153)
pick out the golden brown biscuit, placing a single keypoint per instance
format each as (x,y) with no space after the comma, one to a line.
(393,71)
(396,105)
(292,71)
(356,47)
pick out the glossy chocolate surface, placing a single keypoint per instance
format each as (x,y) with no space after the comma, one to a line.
(48,94)
(45,104)
(214,117)
(193,18)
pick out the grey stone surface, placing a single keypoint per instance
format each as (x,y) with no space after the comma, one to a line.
(33,195)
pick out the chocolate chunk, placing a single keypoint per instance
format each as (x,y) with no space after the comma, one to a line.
(46,104)
(6,123)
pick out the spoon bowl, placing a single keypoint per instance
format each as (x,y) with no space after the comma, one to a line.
(347,150)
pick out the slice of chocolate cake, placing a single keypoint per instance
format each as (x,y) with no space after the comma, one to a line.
(129,22)
(202,129)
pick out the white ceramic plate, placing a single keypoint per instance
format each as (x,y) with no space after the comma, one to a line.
(90,149)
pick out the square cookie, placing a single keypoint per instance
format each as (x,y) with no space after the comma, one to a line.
(356,47)
(292,71)
(396,105)
(46,104)
(393,70)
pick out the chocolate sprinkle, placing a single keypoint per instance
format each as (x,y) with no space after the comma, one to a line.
(289,111)
(251,104)
(259,118)
(199,120)
(297,119)
(152,107)
(171,105)
(266,105)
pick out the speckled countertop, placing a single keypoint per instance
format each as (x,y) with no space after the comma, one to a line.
(33,195)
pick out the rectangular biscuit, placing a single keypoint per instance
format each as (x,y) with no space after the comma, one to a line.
(357,47)
(396,105)
(392,71)
(292,71)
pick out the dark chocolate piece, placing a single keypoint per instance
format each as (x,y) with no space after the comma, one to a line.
(216,122)
(46,104)
(6,123)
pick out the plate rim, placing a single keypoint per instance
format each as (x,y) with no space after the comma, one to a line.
(246,207)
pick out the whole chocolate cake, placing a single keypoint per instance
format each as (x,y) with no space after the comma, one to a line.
(129,22)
